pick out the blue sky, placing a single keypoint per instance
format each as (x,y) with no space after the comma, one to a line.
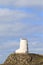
(20,19)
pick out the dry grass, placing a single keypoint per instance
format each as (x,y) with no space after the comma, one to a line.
(24,59)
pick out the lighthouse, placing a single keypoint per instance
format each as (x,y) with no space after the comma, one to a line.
(23,46)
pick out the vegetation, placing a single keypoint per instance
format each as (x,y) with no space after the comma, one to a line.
(24,59)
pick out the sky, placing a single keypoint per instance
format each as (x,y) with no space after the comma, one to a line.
(20,19)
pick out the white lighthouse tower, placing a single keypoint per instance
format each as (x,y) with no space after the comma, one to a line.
(23,46)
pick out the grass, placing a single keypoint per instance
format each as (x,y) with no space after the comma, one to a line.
(24,59)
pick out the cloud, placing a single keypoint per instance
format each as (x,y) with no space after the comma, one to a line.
(36,28)
(12,25)
(3,57)
(8,45)
(0,55)
(10,22)
(21,3)
(37,50)
(11,29)
(11,15)
(7,48)
(35,43)
(28,3)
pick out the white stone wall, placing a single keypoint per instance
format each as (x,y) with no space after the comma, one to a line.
(23,46)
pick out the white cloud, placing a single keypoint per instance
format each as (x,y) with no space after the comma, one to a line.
(35,43)
(9,44)
(11,24)
(0,55)
(20,3)
(5,12)
(39,49)
(28,2)
(11,29)
(36,49)
(9,15)
(16,29)
(31,29)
